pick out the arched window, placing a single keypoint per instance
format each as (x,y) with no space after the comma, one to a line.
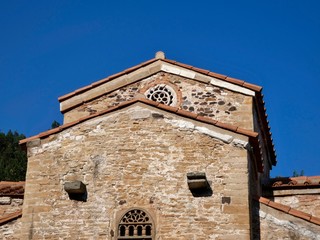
(136,224)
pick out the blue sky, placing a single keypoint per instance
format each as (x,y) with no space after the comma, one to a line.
(50,48)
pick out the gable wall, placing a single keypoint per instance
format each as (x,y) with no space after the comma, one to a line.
(305,200)
(9,205)
(205,99)
(131,159)
(275,224)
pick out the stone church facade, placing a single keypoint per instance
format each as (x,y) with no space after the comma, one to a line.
(162,150)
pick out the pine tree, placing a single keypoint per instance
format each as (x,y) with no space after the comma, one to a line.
(13,160)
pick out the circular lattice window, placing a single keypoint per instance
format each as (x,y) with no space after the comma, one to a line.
(162,93)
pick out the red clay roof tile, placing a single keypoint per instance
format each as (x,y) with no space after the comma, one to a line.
(152,103)
(294,182)
(227,126)
(247,132)
(128,70)
(264,200)
(252,135)
(11,188)
(168,108)
(234,80)
(187,114)
(315,220)
(291,211)
(252,86)
(279,206)
(300,214)
(217,75)
(206,120)
(10,217)
(200,70)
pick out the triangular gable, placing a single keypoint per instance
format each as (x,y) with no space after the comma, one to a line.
(158,64)
(147,69)
(224,128)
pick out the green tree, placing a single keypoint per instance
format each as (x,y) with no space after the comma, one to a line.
(13,160)
(55,124)
(297,174)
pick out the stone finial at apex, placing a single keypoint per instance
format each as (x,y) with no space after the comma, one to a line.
(160,55)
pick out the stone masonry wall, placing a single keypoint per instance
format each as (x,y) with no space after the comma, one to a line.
(135,159)
(275,225)
(9,205)
(204,99)
(308,203)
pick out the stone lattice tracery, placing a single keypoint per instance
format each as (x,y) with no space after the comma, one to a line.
(163,94)
(135,224)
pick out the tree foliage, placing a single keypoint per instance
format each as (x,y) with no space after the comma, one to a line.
(297,174)
(55,124)
(13,160)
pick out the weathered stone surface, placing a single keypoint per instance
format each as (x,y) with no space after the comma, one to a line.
(198,97)
(8,206)
(129,162)
(308,203)
(276,225)
(5,200)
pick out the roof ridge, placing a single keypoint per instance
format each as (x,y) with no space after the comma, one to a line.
(171,109)
(289,210)
(10,217)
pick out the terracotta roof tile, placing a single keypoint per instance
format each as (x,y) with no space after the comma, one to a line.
(206,120)
(10,217)
(180,64)
(252,135)
(66,96)
(279,206)
(299,214)
(234,80)
(247,132)
(217,75)
(128,70)
(104,80)
(294,182)
(11,188)
(168,108)
(83,89)
(227,126)
(200,70)
(187,114)
(252,86)
(291,211)
(315,220)
(149,102)
(264,200)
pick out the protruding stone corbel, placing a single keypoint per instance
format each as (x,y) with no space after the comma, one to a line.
(198,184)
(76,190)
